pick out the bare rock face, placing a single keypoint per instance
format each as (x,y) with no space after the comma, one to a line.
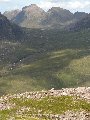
(30,17)
(33,9)
(60,14)
(58,18)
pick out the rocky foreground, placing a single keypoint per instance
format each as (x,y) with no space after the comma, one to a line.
(81,94)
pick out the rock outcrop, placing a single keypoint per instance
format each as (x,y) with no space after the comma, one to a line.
(80,92)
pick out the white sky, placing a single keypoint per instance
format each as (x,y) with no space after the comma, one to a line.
(72,5)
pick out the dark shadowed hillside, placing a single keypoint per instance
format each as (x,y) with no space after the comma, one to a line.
(81,24)
(80,15)
(9,30)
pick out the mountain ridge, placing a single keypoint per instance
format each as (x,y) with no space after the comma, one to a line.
(33,16)
(84,23)
(30,16)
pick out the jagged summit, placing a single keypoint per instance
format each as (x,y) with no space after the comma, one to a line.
(60,13)
(31,8)
(33,16)
(30,16)
(56,9)
(58,18)
(80,15)
(11,14)
(16,10)
(82,24)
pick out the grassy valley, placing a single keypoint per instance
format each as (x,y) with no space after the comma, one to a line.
(44,67)
(44,59)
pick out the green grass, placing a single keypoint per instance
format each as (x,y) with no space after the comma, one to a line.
(48,105)
(58,59)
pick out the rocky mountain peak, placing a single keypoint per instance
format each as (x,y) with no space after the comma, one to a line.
(33,11)
(32,8)
(11,14)
(80,15)
(33,16)
(55,9)
(58,15)
(12,11)
(58,9)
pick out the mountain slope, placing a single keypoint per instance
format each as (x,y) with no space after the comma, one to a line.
(11,14)
(9,30)
(80,15)
(81,24)
(33,16)
(30,17)
(45,59)
(58,17)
